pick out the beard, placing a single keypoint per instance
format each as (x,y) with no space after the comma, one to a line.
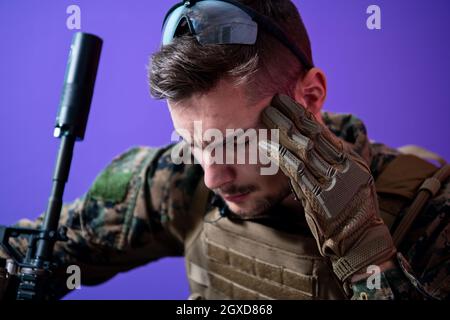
(259,207)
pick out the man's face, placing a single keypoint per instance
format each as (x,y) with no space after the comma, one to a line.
(245,190)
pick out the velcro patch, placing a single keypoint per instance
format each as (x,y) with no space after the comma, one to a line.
(112,183)
(111,186)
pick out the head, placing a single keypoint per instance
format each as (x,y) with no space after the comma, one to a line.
(228,87)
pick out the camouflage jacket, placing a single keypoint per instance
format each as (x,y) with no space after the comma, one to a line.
(135,213)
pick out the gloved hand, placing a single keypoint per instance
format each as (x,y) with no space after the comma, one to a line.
(335,186)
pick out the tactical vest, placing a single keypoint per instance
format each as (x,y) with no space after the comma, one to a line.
(228,259)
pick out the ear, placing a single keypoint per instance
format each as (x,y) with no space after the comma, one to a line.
(311,91)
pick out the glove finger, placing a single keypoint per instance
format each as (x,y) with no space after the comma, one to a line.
(298,113)
(332,154)
(327,146)
(292,166)
(289,135)
(298,144)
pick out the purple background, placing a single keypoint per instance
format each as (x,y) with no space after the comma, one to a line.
(395,79)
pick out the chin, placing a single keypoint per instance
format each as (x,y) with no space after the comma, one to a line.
(251,208)
(238,209)
(259,204)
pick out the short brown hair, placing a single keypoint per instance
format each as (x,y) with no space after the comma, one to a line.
(185,67)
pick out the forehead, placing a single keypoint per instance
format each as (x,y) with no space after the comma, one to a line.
(224,107)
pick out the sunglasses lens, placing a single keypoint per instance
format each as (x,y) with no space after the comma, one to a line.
(171,25)
(214,22)
(222,23)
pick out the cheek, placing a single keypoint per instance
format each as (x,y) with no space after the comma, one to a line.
(273,184)
(251,174)
(249,171)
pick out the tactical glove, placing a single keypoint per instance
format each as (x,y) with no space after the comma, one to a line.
(334,185)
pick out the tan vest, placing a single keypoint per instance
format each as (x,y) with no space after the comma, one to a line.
(247,260)
(228,259)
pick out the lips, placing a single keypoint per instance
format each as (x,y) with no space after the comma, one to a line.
(236,198)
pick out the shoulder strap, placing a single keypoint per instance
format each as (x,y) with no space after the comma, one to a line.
(398,183)
(422,153)
(427,190)
(409,180)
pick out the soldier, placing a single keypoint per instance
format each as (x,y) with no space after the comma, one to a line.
(343,218)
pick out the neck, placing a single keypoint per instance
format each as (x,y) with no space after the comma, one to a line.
(292,205)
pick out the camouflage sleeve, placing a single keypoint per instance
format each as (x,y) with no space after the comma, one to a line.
(398,283)
(131,215)
(423,267)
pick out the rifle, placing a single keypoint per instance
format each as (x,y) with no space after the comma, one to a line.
(28,274)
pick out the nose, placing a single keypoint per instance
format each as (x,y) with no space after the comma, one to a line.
(218,175)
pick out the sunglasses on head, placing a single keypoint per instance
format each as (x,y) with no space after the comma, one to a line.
(222,22)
